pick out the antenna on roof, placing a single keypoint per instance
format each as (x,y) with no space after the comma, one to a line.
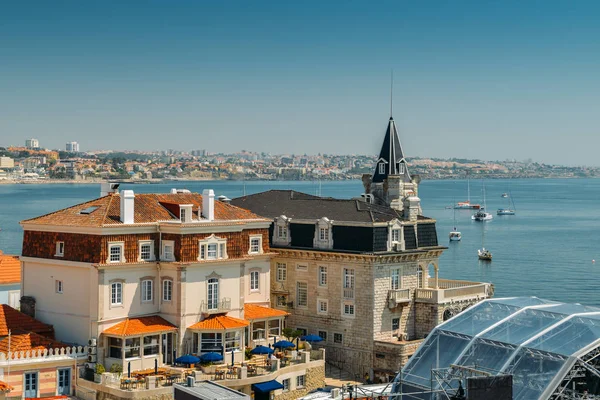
(392,94)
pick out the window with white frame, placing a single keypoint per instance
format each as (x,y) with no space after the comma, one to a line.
(395,278)
(395,235)
(349,309)
(338,338)
(400,168)
(382,168)
(254,279)
(348,283)
(281,272)
(132,347)
(286,385)
(274,327)
(232,341)
(323,234)
(322,306)
(147,290)
(168,250)
(213,293)
(322,275)
(255,244)
(151,345)
(146,253)
(282,301)
(300,381)
(182,214)
(115,252)
(212,248)
(302,294)
(167,290)
(395,326)
(282,231)
(58,286)
(60,249)
(116,293)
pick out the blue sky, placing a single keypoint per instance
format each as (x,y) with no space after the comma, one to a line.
(473,79)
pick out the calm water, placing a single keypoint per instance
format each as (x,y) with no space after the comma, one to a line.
(545,250)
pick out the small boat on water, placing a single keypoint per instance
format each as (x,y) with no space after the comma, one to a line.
(484,254)
(482,215)
(508,211)
(504,195)
(466,205)
(454,235)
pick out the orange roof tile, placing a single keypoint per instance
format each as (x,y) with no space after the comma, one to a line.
(27,341)
(147,209)
(220,323)
(11,319)
(254,311)
(10,269)
(5,387)
(140,326)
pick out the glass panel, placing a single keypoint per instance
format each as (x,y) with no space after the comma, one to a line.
(523,301)
(211,342)
(532,372)
(132,347)
(524,325)
(439,351)
(115,347)
(487,355)
(570,336)
(151,345)
(478,318)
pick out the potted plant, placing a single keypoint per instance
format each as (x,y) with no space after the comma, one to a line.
(98,373)
(117,369)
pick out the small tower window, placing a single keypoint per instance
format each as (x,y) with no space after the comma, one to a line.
(400,168)
(382,168)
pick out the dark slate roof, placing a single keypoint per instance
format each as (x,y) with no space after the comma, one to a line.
(292,204)
(391,154)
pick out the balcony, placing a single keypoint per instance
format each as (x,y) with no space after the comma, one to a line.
(451,290)
(222,306)
(398,297)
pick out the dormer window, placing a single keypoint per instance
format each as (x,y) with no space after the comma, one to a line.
(400,168)
(395,235)
(212,248)
(185,213)
(323,237)
(182,214)
(281,231)
(382,168)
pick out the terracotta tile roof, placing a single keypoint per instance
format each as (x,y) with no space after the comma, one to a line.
(219,322)
(139,326)
(10,269)
(254,311)
(26,341)
(11,319)
(5,387)
(105,211)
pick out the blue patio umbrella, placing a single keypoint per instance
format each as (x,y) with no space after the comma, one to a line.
(188,359)
(211,357)
(261,350)
(312,338)
(284,344)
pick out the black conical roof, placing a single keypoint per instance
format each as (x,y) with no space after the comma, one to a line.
(391,156)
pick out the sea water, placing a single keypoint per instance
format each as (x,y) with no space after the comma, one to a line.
(546,250)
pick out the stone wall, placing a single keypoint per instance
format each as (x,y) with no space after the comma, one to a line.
(389,358)
(315,378)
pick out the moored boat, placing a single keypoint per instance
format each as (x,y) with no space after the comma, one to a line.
(484,254)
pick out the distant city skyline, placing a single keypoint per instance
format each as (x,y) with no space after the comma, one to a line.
(476,80)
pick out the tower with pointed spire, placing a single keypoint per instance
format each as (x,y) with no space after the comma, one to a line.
(391,183)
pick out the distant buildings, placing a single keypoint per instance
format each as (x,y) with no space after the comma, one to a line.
(7,162)
(72,147)
(32,143)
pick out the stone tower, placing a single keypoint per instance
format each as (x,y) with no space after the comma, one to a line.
(391,183)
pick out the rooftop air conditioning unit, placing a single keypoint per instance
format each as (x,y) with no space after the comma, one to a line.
(92,350)
(92,342)
(90,365)
(92,358)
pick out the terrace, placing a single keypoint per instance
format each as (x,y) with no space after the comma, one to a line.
(448,290)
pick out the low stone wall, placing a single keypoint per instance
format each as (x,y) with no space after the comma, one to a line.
(315,378)
(103,392)
(390,357)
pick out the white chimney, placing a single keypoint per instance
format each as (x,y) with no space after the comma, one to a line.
(208,204)
(108,187)
(173,191)
(127,202)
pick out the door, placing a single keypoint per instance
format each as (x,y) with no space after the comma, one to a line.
(167,348)
(64,381)
(31,384)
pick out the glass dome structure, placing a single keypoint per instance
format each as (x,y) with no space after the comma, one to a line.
(551,349)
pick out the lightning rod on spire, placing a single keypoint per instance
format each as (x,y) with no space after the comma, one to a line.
(392,95)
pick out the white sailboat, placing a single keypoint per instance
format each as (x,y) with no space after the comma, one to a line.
(466,205)
(484,254)
(510,210)
(482,214)
(454,235)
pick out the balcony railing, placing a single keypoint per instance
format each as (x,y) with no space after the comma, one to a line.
(224,305)
(453,290)
(348,294)
(397,297)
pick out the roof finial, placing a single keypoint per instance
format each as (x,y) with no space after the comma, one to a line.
(392,95)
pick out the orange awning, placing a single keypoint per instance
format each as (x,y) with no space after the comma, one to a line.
(140,326)
(254,311)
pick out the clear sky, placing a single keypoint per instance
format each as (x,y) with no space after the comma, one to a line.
(474,79)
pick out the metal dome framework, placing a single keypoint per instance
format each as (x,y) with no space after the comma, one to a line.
(551,349)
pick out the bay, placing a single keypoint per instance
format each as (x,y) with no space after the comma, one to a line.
(545,250)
